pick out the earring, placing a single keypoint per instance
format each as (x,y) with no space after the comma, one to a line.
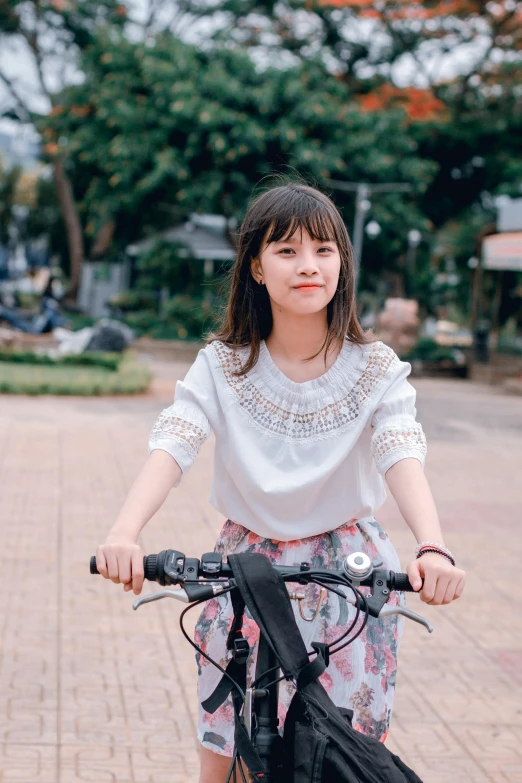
(260,281)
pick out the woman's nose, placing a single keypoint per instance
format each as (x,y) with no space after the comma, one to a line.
(307,265)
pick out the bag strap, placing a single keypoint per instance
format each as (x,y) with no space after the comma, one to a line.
(236,668)
(264,593)
(262,589)
(313,669)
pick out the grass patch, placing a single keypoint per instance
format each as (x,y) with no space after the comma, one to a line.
(130,377)
(107,360)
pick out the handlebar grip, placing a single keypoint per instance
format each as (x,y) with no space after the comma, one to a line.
(402,582)
(149,566)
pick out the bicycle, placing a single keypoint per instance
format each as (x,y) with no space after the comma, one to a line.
(200,580)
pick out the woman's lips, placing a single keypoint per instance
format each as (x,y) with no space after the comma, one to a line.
(310,287)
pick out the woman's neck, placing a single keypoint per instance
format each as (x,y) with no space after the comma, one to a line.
(295,339)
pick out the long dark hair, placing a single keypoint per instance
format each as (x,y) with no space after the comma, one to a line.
(274,215)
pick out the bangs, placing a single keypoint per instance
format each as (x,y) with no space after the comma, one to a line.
(302,212)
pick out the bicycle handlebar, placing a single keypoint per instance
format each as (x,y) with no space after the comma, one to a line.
(203,579)
(172,567)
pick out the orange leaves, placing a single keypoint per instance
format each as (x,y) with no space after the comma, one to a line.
(418,104)
(51,148)
(80,111)
(394,10)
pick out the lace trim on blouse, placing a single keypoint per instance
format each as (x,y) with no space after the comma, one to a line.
(398,435)
(183,423)
(285,418)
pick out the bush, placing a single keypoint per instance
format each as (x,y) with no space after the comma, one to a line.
(187,314)
(28,301)
(183,317)
(169,264)
(79,321)
(427,350)
(131,377)
(141,321)
(135,300)
(109,361)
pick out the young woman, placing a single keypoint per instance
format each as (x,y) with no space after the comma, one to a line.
(309,416)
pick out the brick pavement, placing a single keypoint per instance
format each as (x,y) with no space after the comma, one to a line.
(91,691)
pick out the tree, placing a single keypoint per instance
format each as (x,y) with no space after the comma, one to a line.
(453,66)
(52,33)
(163,129)
(361,41)
(8,181)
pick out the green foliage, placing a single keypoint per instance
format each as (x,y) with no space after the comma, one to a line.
(163,130)
(170,265)
(135,300)
(468,128)
(141,321)
(18,378)
(109,361)
(44,219)
(74,23)
(78,321)
(183,317)
(157,129)
(428,350)
(361,42)
(8,180)
(191,317)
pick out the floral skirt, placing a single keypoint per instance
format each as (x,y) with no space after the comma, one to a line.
(360,677)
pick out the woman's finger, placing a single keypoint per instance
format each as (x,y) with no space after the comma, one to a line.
(414,575)
(428,589)
(112,566)
(440,590)
(450,592)
(124,567)
(101,563)
(460,587)
(137,571)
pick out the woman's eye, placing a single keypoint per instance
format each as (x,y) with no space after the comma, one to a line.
(329,249)
(286,250)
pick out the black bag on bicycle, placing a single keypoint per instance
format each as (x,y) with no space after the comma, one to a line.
(319,743)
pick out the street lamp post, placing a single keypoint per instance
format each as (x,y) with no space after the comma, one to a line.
(414,240)
(362,207)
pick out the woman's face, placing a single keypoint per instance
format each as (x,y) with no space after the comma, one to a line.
(300,273)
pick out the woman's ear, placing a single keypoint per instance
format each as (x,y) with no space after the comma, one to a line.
(256,271)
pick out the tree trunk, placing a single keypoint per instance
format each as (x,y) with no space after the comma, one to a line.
(72,225)
(103,240)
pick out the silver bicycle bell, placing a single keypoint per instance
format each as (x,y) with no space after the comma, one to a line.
(357,565)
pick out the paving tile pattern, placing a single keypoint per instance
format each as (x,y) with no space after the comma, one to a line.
(92,691)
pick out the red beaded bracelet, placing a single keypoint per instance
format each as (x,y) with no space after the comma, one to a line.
(437,551)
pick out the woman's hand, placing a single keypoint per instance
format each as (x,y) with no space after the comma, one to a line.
(443,583)
(120,559)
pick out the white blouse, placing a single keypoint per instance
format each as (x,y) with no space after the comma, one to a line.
(294,459)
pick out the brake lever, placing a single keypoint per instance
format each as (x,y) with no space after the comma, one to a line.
(187,595)
(178,595)
(386,611)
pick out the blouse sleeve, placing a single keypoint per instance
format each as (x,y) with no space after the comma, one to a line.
(182,428)
(396,433)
